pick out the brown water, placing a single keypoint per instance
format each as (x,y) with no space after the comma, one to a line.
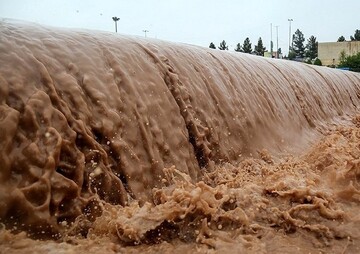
(116,143)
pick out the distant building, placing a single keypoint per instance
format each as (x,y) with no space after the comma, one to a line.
(329,52)
(274,55)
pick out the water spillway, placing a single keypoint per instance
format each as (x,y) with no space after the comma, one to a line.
(87,115)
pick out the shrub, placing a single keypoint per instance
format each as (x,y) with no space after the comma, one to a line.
(317,62)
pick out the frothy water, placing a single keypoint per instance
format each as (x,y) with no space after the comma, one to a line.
(121,143)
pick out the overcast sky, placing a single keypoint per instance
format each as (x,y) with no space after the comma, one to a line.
(197,22)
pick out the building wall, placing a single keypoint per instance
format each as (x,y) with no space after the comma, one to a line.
(329,52)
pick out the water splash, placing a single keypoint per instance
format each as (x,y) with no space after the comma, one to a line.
(90,120)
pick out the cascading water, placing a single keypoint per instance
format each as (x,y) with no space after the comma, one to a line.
(106,134)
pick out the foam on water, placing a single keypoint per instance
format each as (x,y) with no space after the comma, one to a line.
(143,141)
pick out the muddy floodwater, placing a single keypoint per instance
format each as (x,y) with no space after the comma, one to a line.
(113,144)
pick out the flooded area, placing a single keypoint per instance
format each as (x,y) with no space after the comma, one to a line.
(112,143)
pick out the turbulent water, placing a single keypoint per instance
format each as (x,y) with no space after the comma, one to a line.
(116,143)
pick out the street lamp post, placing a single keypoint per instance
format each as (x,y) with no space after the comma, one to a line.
(290,33)
(277,42)
(116,19)
(145,31)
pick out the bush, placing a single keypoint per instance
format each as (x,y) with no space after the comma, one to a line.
(317,62)
(351,62)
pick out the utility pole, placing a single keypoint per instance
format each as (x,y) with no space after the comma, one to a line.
(290,34)
(277,42)
(145,31)
(271,42)
(116,19)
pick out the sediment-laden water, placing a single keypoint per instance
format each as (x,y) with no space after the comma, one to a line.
(117,143)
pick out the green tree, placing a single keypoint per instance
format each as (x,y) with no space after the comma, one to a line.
(291,55)
(298,41)
(259,48)
(342,56)
(351,62)
(223,46)
(311,48)
(212,45)
(238,48)
(341,39)
(247,46)
(317,62)
(356,36)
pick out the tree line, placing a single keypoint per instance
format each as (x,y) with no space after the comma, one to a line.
(259,49)
(350,62)
(356,37)
(298,50)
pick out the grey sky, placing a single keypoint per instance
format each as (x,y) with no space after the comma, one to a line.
(197,21)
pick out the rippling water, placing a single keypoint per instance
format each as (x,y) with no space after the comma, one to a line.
(118,143)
